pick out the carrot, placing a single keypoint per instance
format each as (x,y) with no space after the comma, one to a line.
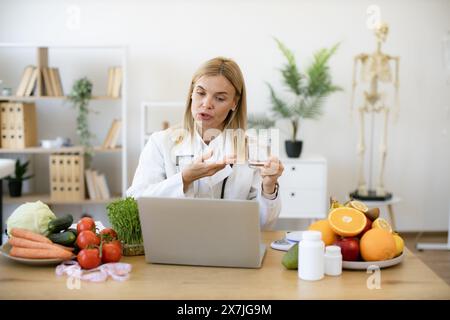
(30,235)
(64,247)
(29,253)
(25,243)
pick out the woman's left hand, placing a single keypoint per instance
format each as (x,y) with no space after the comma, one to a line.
(270,173)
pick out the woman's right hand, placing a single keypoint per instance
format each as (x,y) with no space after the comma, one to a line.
(200,169)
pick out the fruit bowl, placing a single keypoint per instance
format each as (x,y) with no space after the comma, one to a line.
(364,265)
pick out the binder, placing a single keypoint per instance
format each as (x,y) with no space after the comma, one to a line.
(68,182)
(29,121)
(77,177)
(19,130)
(4,124)
(10,126)
(54,177)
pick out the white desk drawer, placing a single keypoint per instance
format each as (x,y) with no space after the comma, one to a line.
(302,203)
(310,175)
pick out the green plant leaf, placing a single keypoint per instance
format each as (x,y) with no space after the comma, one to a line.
(260,121)
(124,217)
(292,78)
(79,96)
(278,105)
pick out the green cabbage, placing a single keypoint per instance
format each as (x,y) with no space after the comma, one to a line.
(33,216)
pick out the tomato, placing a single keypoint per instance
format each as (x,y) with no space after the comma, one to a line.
(109,233)
(111,252)
(89,258)
(86,224)
(86,238)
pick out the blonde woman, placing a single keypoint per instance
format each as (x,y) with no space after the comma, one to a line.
(193,160)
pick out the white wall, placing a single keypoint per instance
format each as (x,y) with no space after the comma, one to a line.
(168,39)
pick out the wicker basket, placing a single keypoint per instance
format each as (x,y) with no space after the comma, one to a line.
(133,249)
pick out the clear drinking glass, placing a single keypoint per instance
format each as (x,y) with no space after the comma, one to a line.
(258,147)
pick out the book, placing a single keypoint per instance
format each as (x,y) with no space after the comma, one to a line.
(52,76)
(103,186)
(98,192)
(112,136)
(110,81)
(59,86)
(117,82)
(90,184)
(32,83)
(115,134)
(24,81)
(48,90)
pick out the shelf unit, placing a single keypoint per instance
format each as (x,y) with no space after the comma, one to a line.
(44,52)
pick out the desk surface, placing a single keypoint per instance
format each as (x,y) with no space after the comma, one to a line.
(411,279)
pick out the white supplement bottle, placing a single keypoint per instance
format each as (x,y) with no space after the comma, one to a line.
(311,256)
(333,261)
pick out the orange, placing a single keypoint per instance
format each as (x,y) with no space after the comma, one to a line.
(347,222)
(328,235)
(377,244)
(382,224)
(358,205)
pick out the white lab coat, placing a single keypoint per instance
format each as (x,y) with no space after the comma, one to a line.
(158,175)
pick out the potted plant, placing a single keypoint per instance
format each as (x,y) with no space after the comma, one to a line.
(15,183)
(79,96)
(124,217)
(308,91)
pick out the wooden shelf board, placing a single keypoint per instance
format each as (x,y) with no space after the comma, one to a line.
(97,149)
(47,200)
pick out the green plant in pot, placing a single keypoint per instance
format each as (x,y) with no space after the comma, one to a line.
(15,182)
(79,96)
(306,92)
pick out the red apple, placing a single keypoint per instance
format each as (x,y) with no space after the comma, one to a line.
(366,228)
(349,248)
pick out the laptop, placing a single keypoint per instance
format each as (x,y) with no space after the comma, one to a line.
(202,232)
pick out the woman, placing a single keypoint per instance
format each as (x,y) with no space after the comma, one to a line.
(190,161)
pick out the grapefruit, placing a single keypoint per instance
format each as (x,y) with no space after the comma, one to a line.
(347,222)
(377,245)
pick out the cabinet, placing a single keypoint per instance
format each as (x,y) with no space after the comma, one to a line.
(303,188)
(57,118)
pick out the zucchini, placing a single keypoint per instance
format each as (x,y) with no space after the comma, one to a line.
(59,224)
(66,238)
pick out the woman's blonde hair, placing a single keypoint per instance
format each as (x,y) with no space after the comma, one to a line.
(236,119)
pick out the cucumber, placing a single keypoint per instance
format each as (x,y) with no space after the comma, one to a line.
(74,231)
(59,224)
(66,238)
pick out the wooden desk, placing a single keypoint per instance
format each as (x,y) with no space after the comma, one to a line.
(411,279)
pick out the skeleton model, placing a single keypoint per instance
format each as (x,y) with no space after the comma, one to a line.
(375,69)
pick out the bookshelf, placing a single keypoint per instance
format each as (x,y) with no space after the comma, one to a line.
(12,66)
